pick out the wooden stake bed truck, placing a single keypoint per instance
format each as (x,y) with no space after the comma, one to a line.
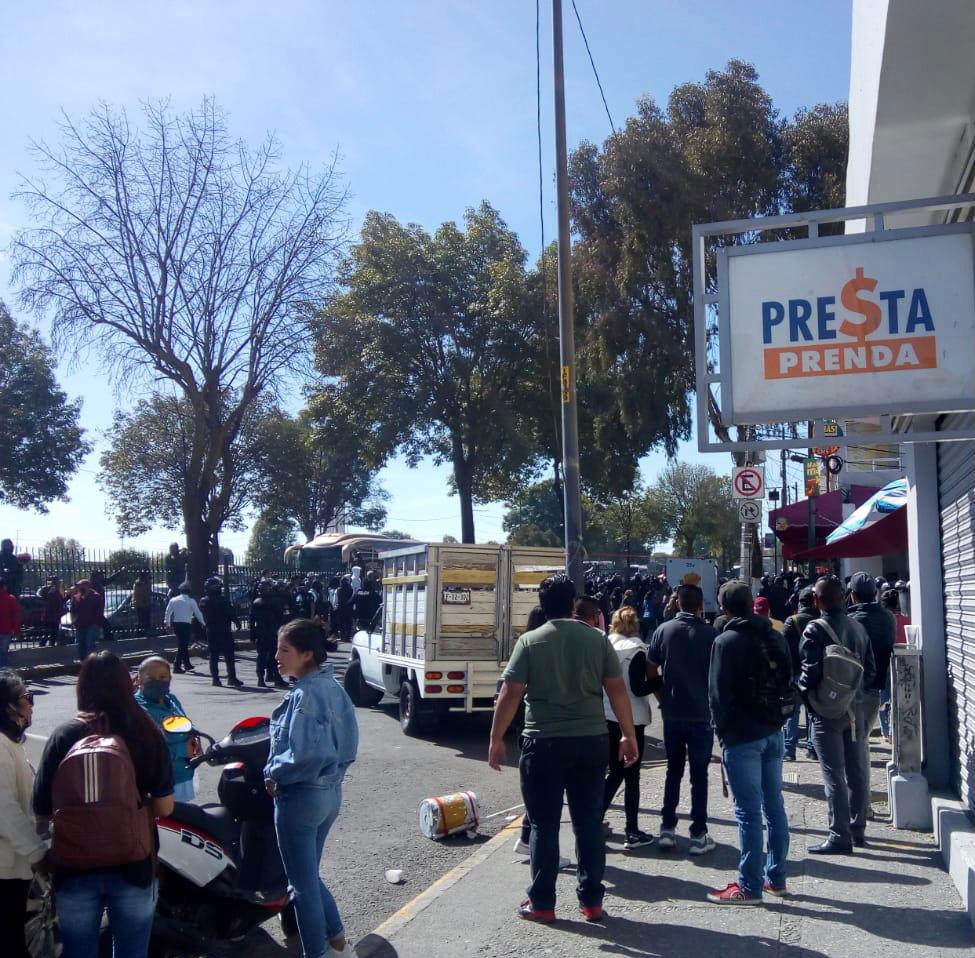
(451,615)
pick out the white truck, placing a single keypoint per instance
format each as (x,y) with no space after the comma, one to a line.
(706,571)
(450,616)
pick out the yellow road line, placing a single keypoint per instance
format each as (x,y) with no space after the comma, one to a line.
(413,908)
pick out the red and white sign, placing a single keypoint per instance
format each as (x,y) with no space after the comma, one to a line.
(748,482)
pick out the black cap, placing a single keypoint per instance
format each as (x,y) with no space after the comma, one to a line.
(863,586)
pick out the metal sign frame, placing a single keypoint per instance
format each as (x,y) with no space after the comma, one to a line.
(895,423)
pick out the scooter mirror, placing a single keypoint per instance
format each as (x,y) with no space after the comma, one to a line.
(177,724)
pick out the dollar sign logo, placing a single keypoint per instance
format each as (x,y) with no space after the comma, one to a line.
(850,298)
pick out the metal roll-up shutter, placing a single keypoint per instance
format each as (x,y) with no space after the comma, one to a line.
(956,494)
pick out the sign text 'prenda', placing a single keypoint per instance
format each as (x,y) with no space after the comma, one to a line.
(893,331)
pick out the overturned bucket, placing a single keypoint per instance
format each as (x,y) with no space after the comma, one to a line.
(449,814)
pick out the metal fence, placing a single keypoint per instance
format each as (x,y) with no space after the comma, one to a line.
(113,573)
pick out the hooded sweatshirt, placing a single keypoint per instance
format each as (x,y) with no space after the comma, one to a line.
(731,681)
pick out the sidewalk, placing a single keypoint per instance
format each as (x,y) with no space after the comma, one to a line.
(888,894)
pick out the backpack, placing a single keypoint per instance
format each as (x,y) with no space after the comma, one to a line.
(775,694)
(99,818)
(842,675)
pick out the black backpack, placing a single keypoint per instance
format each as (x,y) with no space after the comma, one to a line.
(775,695)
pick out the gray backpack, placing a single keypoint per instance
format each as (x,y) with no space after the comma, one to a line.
(842,674)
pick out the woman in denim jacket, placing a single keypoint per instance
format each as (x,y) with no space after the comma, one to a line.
(314,738)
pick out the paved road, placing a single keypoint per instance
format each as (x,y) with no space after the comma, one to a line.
(378,827)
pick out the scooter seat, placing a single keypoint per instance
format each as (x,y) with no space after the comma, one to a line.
(213,820)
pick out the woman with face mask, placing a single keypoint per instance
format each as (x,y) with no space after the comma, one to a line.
(21,849)
(155,697)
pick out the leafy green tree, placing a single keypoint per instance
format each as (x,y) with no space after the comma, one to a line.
(41,444)
(186,260)
(631,522)
(316,473)
(528,534)
(719,151)
(396,534)
(64,549)
(428,337)
(149,471)
(816,145)
(135,560)
(269,538)
(696,508)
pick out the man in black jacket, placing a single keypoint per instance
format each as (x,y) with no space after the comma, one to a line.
(218,614)
(265,619)
(752,747)
(881,628)
(839,759)
(795,625)
(681,650)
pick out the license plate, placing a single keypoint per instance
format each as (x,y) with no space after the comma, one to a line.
(457,597)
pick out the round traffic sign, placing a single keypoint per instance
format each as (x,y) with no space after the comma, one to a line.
(749,510)
(748,482)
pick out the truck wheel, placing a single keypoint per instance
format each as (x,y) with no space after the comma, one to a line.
(362,695)
(410,705)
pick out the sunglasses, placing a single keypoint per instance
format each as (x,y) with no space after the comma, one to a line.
(29,696)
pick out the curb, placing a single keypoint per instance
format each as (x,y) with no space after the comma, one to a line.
(376,943)
(166,646)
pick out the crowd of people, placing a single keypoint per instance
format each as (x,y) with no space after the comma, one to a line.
(342,603)
(742,679)
(90,825)
(587,685)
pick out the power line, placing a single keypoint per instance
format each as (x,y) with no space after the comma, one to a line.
(592,62)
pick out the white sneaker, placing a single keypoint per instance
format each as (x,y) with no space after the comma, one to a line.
(521,848)
(701,845)
(667,838)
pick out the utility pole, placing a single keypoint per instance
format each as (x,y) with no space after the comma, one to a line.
(574,552)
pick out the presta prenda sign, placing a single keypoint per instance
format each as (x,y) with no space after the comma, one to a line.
(864,324)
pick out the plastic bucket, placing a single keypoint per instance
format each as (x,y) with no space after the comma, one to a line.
(449,814)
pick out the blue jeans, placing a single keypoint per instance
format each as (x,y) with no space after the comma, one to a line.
(80,902)
(885,711)
(5,638)
(87,636)
(791,732)
(303,815)
(574,766)
(687,742)
(755,776)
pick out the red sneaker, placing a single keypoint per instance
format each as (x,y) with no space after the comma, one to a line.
(593,912)
(733,894)
(529,912)
(779,891)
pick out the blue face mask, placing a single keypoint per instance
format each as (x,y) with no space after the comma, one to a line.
(156,690)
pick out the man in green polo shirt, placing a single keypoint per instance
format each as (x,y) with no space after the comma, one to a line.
(561,670)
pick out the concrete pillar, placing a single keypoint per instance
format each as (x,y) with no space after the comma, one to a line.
(927,603)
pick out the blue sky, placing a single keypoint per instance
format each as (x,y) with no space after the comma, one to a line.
(430,104)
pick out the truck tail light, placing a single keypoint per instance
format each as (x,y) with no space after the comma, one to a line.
(455,688)
(455,675)
(432,688)
(434,675)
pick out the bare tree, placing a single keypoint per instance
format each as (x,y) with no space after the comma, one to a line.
(177,253)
